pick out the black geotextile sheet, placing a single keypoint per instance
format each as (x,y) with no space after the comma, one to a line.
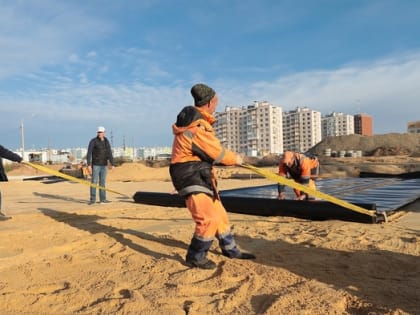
(388,194)
(381,195)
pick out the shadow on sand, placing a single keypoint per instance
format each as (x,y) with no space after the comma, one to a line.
(383,278)
(89,223)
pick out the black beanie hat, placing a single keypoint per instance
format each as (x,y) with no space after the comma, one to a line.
(202,94)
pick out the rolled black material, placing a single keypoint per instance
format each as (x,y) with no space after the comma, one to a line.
(315,210)
(159,199)
(409,175)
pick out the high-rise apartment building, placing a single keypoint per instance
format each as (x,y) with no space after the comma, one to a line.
(254,130)
(301,129)
(337,124)
(363,124)
(262,128)
(413,127)
(227,128)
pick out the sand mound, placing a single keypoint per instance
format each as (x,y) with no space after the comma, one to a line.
(138,172)
(26,170)
(378,145)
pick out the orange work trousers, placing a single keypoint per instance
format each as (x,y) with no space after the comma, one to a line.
(209,215)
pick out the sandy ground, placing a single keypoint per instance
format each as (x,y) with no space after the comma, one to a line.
(59,255)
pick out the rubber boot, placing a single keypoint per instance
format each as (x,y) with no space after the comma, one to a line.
(229,249)
(197,254)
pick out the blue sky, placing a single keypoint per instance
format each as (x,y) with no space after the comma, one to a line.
(68,66)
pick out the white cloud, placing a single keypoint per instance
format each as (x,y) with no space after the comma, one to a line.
(35,34)
(91,54)
(83,78)
(386,89)
(74,58)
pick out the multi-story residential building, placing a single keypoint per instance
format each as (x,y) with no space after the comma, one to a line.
(363,124)
(301,129)
(255,129)
(413,127)
(227,128)
(264,132)
(337,124)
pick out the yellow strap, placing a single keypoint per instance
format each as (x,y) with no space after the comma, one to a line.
(71,178)
(291,183)
(267,174)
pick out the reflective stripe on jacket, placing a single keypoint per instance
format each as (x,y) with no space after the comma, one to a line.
(195,150)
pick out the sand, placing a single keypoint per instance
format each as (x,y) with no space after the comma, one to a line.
(59,255)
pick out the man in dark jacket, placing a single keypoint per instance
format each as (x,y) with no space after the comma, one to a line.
(98,155)
(7,154)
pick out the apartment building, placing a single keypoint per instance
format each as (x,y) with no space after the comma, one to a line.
(227,127)
(337,124)
(363,124)
(262,128)
(413,127)
(301,129)
(254,130)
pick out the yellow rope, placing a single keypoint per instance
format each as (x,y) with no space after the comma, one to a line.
(291,183)
(71,178)
(267,174)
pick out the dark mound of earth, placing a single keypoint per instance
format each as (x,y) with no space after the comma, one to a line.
(377,145)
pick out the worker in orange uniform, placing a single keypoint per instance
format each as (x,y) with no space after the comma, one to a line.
(195,150)
(303,169)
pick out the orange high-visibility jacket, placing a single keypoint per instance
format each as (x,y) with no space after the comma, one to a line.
(302,169)
(195,150)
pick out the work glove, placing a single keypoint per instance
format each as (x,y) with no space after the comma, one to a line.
(282,195)
(302,197)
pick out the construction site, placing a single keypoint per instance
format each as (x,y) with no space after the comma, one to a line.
(128,257)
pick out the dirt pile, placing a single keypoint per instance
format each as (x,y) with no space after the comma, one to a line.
(389,151)
(377,145)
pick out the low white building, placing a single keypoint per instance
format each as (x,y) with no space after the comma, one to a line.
(413,127)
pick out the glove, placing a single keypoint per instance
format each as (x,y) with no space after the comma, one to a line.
(239,160)
(282,195)
(302,197)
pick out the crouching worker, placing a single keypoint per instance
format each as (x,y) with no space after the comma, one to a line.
(195,150)
(303,169)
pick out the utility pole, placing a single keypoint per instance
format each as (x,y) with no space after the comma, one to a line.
(22,139)
(134,150)
(49,151)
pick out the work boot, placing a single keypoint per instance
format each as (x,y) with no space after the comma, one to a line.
(229,249)
(245,256)
(197,253)
(3,217)
(202,264)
